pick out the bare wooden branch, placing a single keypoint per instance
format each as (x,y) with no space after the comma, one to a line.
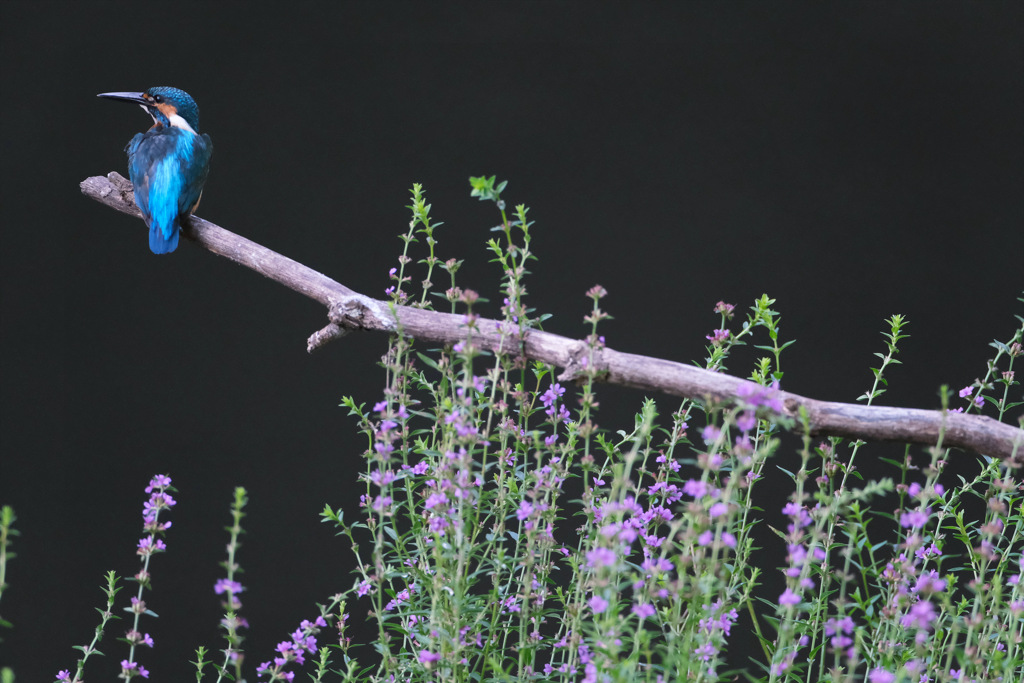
(348,310)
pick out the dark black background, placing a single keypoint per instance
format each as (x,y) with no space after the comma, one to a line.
(853,160)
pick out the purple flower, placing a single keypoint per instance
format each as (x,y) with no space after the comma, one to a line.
(921,615)
(711,433)
(706,651)
(427,657)
(149,545)
(602,557)
(800,515)
(718,509)
(598,604)
(755,395)
(839,625)
(725,309)
(400,597)
(224,585)
(695,488)
(978,400)
(914,519)
(719,618)
(659,513)
(554,392)
(840,629)
(717,336)
(560,415)
(747,421)
(915,667)
(642,610)
(660,564)
(158,500)
(930,583)
(788,597)
(878,675)
(435,499)
(160,481)
(131,669)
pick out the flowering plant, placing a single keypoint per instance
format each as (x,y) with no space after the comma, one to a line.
(502,535)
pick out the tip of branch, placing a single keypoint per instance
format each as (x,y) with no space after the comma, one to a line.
(321,337)
(114,190)
(96,185)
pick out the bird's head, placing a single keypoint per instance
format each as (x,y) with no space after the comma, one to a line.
(168,106)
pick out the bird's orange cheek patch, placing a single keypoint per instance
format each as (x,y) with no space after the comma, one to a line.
(167,110)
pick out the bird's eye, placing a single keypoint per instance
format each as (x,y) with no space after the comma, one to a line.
(158,99)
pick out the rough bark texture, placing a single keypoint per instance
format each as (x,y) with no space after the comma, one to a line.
(348,310)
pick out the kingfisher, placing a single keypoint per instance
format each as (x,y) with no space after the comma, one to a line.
(167,164)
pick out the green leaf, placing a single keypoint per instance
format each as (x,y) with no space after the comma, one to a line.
(428,361)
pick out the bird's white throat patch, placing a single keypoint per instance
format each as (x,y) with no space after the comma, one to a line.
(179,122)
(175,120)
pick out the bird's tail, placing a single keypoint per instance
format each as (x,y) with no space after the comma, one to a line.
(163,241)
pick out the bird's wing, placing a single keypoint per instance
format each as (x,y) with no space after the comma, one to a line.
(154,170)
(195,171)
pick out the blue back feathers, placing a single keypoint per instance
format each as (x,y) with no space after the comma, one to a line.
(168,164)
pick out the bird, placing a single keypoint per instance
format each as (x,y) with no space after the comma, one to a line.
(167,164)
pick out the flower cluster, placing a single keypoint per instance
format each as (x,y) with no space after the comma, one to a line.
(159,501)
(388,432)
(292,651)
(973,397)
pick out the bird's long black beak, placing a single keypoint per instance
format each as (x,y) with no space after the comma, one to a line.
(135,97)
